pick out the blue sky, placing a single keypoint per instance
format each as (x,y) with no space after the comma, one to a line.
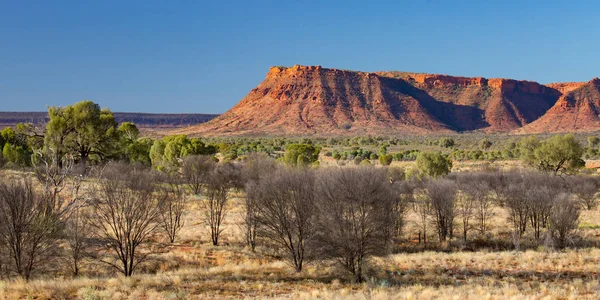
(204,56)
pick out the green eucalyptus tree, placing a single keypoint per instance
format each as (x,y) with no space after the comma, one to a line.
(81,129)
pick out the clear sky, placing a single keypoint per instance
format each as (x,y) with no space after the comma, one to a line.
(204,56)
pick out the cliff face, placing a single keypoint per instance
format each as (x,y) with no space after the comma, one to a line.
(565,87)
(311,100)
(504,103)
(314,100)
(578,110)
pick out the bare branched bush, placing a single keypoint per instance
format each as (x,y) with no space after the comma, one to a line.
(222,179)
(476,201)
(355,218)
(423,208)
(539,200)
(255,166)
(529,199)
(285,212)
(76,235)
(196,170)
(126,214)
(56,177)
(174,200)
(497,182)
(514,196)
(564,218)
(251,219)
(27,232)
(62,182)
(404,191)
(586,188)
(541,190)
(466,204)
(442,195)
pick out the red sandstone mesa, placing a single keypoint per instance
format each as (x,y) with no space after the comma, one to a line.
(311,100)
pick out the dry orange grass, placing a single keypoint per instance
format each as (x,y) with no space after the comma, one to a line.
(429,275)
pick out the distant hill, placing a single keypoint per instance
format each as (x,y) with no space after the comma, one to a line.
(142,120)
(311,100)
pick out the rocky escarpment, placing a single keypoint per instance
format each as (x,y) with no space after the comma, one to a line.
(314,100)
(504,104)
(565,87)
(578,110)
(311,100)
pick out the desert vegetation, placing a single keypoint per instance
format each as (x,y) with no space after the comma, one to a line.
(96,211)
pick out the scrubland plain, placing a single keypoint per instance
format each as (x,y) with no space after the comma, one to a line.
(192,268)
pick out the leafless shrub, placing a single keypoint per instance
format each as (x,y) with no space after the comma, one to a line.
(196,170)
(404,191)
(514,195)
(528,198)
(251,219)
(476,201)
(255,166)
(422,205)
(285,211)
(497,182)
(355,217)
(586,188)
(466,203)
(56,177)
(173,200)
(27,231)
(60,175)
(542,189)
(76,235)
(442,195)
(539,199)
(564,218)
(221,180)
(126,214)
